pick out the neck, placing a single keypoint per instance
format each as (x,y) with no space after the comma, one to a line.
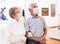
(16,19)
(35,15)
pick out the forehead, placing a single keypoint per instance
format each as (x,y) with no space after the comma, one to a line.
(18,10)
(33,5)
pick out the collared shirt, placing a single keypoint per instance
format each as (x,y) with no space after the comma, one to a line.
(16,30)
(35,26)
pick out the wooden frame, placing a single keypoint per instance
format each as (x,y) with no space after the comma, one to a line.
(45,11)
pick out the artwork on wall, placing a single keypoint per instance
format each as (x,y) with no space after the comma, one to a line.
(45,11)
(2,15)
(53,10)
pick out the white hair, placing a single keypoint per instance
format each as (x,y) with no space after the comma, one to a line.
(29,6)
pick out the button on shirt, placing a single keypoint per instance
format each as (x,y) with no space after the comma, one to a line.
(35,26)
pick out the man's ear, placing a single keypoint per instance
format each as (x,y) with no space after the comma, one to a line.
(30,10)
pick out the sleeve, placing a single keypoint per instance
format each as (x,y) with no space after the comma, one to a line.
(26,25)
(44,24)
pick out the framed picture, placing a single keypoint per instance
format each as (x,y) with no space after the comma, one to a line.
(45,11)
(53,10)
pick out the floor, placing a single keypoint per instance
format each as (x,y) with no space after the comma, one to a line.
(51,41)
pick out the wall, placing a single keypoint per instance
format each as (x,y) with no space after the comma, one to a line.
(59,11)
(51,21)
(24,4)
(11,3)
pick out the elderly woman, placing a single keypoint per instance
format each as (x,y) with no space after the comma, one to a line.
(16,27)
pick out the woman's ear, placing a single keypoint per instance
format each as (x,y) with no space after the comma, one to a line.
(12,16)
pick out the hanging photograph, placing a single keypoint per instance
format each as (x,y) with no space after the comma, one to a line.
(45,11)
(53,10)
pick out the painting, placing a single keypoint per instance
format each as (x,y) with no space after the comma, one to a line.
(53,10)
(45,11)
(2,15)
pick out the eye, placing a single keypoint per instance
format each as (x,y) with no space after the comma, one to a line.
(35,6)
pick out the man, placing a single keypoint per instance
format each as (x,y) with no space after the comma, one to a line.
(35,26)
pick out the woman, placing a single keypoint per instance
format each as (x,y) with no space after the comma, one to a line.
(16,27)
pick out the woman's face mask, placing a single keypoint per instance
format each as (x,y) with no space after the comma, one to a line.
(35,11)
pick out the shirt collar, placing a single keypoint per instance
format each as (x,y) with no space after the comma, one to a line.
(20,19)
(34,17)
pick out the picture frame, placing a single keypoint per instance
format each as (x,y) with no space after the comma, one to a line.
(45,11)
(53,12)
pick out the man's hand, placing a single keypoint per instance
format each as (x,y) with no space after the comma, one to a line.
(31,38)
(42,39)
(38,39)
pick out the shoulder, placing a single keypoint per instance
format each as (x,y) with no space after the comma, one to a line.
(30,18)
(41,18)
(10,21)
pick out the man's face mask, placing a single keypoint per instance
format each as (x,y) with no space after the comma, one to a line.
(35,11)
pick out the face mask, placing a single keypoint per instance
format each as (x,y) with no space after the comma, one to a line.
(35,11)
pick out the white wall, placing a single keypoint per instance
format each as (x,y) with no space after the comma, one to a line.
(11,3)
(51,21)
(59,11)
(41,3)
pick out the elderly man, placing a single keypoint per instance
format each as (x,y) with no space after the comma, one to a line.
(35,26)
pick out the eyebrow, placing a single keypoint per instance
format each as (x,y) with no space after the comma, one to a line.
(35,6)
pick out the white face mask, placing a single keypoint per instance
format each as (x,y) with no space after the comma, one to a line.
(35,11)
